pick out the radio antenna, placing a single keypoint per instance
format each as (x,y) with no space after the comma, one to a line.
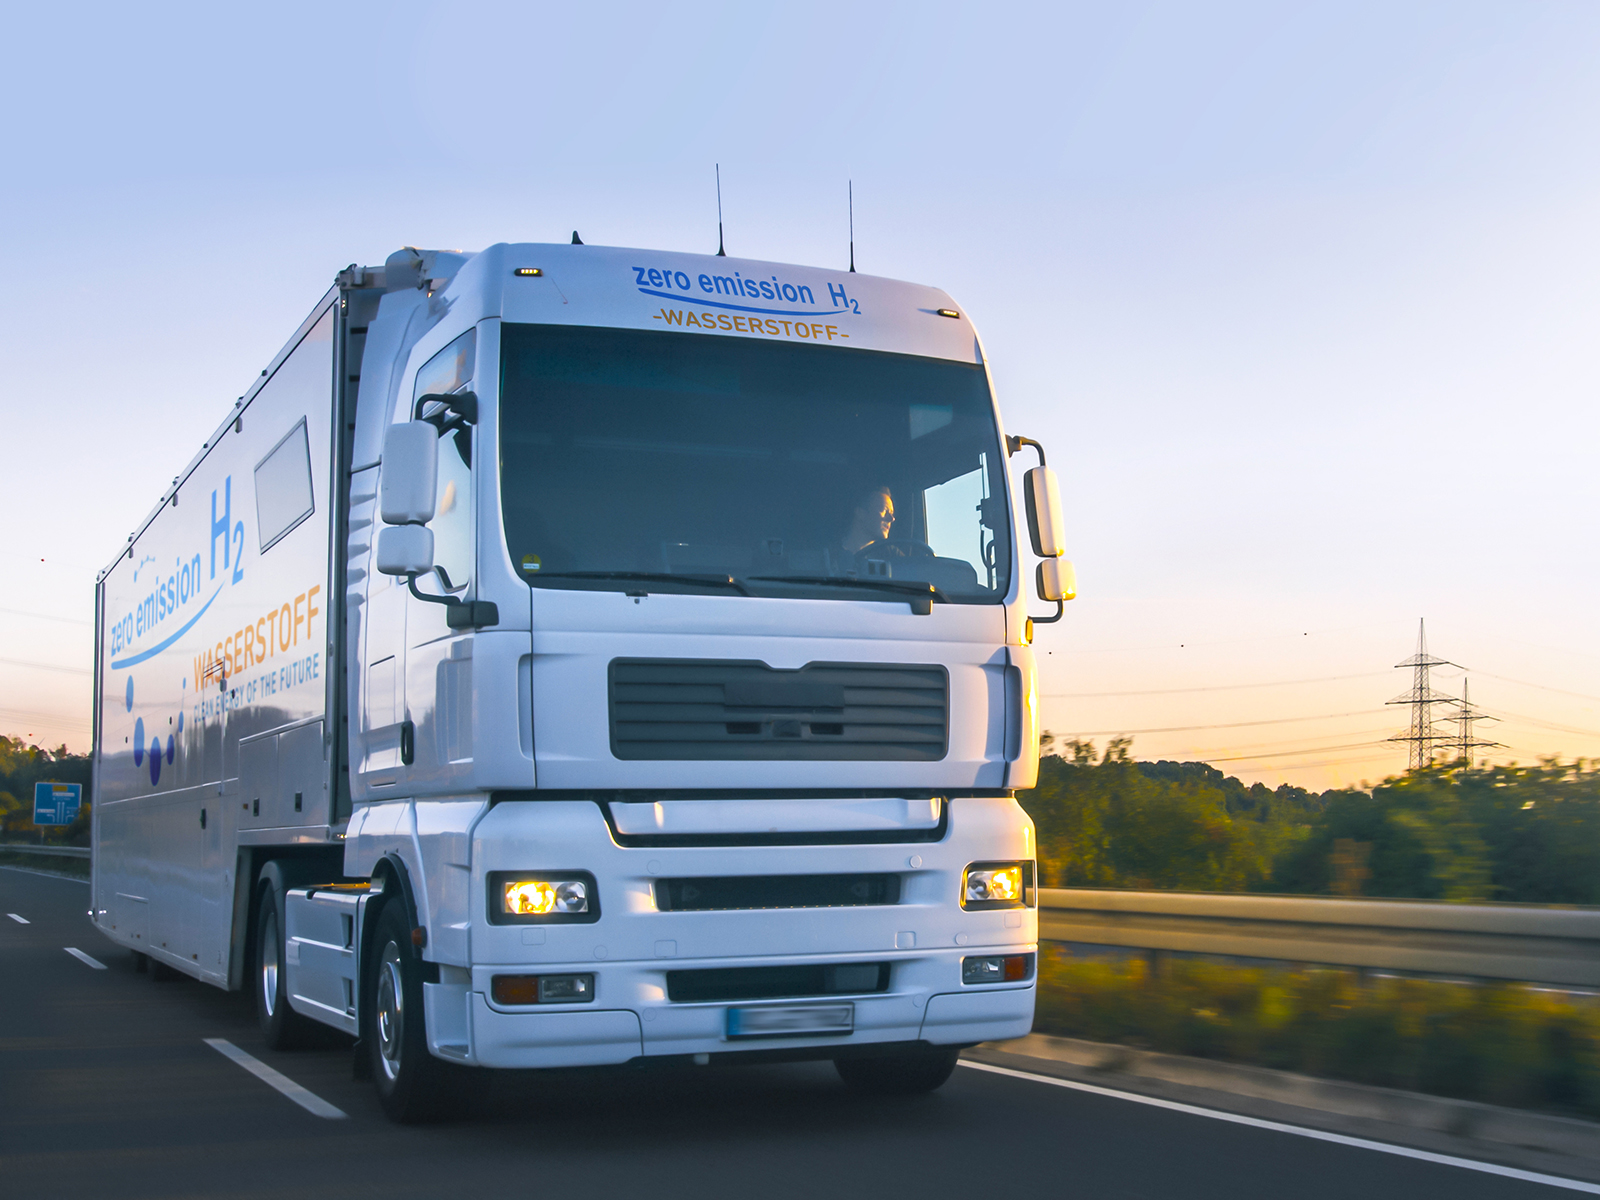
(721,253)
(852,193)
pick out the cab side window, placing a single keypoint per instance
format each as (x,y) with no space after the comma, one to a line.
(446,373)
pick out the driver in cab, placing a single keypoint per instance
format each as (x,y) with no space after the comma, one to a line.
(871,522)
(868,543)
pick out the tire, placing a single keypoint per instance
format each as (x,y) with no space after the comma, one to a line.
(281,1027)
(141,962)
(159,971)
(903,1073)
(412,1085)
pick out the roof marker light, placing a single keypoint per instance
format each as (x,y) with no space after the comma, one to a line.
(527,271)
(948,312)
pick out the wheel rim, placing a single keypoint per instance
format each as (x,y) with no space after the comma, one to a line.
(390,1011)
(269,963)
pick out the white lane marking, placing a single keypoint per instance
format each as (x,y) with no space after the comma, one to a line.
(19,920)
(306,1099)
(1448,1160)
(84,958)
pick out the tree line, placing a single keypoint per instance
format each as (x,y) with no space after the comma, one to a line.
(1448,832)
(23,765)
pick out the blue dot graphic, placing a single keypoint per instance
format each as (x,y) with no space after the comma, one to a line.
(171,748)
(180,722)
(138,739)
(128,698)
(155,759)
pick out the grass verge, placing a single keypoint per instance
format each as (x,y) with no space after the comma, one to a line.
(1499,1043)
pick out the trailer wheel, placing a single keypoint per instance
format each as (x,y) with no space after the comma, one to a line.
(903,1073)
(281,1027)
(412,1084)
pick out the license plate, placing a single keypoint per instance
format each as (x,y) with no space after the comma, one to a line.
(791,1020)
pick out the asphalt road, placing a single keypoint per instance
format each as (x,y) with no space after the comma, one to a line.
(108,1088)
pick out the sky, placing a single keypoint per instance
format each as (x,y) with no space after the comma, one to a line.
(1301,297)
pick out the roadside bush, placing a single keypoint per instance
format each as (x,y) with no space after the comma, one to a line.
(1498,1043)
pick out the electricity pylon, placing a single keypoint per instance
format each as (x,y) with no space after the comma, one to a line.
(1424,739)
(1466,716)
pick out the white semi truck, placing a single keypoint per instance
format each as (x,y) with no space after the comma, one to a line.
(567,655)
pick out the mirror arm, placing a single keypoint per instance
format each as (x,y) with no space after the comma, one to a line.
(459,614)
(463,404)
(1061,607)
(1013,444)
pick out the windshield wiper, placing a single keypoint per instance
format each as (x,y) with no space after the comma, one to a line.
(725,581)
(904,586)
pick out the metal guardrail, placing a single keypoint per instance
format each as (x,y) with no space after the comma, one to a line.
(1492,941)
(57,851)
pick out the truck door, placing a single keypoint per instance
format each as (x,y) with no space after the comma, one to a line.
(438,676)
(418,692)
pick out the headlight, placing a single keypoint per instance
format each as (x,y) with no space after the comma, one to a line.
(547,897)
(997,885)
(540,898)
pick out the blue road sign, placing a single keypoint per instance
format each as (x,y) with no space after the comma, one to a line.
(56,803)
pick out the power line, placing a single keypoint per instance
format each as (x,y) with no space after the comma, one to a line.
(1518,718)
(22,714)
(1219,687)
(1294,753)
(1348,733)
(17,612)
(1541,687)
(1332,762)
(20,662)
(1232,725)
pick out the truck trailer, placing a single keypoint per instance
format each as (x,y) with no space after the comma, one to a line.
(590,656)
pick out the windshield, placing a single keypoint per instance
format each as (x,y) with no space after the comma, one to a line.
(645,461)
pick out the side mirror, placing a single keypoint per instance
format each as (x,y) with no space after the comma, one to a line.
(1056,580)
(1043,500)
(405,550)
(410,476)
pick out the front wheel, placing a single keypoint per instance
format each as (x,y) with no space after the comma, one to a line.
(412,1084)
(902,1073)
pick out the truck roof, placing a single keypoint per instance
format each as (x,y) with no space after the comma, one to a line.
(713,294)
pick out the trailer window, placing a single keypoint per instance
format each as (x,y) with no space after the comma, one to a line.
(283,486)
(642,452)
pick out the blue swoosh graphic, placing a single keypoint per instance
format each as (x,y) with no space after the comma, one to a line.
(780,312)
(119,663)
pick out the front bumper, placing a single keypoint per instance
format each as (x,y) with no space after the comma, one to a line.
(631,1016)
(633,946)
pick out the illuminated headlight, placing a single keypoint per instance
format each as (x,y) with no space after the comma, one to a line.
(517,898)
(997,885)
(997,968)
(541,897)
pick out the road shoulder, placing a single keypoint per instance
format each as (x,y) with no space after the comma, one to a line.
(1533,1141)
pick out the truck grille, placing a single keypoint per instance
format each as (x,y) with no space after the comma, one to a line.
(746,711)
(714,894)
(774,983)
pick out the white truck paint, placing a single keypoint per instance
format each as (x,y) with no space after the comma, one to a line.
(280,724)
